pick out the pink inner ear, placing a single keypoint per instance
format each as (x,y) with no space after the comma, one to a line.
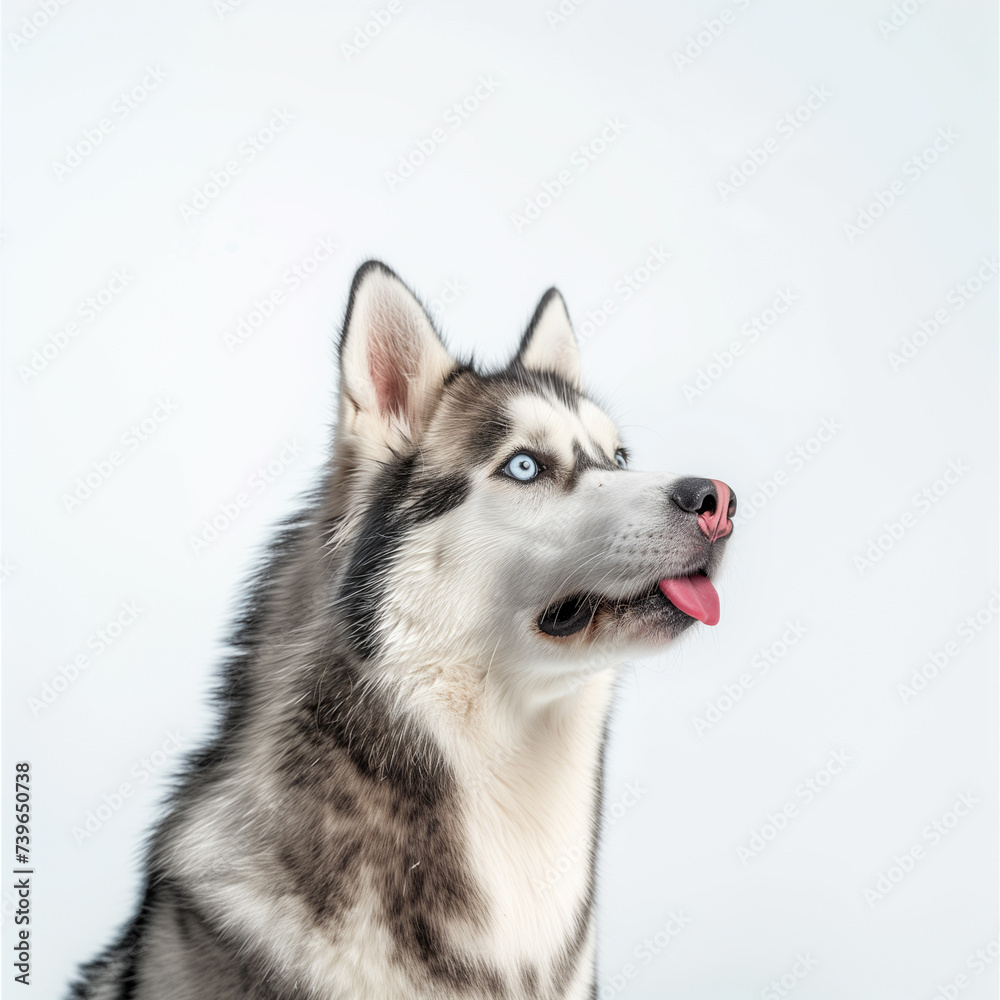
(388,379)
(388,364)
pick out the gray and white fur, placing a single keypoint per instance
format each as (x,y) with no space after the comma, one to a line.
(413,716)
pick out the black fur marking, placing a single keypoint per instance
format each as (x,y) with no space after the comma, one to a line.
(400,499)
(478,403)
(345,716)
(583,461)
(529,980)
(459,370)
(349,746)
(544,382)
(491,432)
(435,497)
(361,589)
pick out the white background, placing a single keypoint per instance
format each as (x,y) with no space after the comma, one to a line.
(686,128)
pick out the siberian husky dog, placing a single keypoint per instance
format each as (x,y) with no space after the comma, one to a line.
(414,714)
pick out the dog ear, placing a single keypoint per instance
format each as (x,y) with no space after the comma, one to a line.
(392,362)
(549,343)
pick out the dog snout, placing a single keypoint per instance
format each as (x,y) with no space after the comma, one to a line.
(711,500)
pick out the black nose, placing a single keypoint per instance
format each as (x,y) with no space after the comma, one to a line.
(696,496)
(711,500)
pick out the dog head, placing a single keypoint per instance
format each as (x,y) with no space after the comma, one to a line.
(491,518)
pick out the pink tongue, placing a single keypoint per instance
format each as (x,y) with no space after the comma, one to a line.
(694,595)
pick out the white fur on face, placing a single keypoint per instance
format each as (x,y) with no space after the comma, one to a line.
(469,586)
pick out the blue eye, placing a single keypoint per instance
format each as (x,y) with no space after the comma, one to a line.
(621,458)
(522,467)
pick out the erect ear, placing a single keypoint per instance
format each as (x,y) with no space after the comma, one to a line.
(549,343)
(392,362)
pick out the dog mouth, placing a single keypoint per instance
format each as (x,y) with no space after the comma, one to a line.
(693,596)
